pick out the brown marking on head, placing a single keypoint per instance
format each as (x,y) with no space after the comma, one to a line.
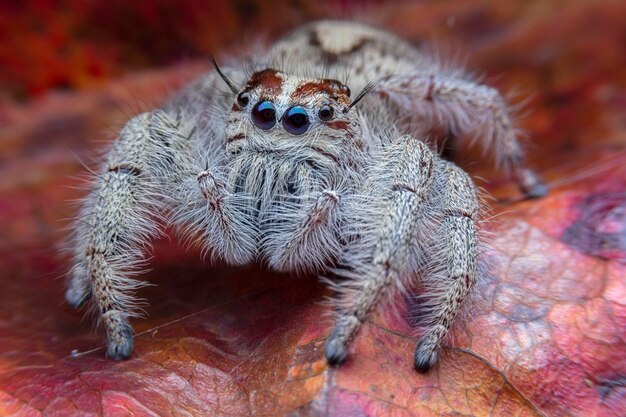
(270,81)
(236,107)
(332,88)
(325,153)
(338,124)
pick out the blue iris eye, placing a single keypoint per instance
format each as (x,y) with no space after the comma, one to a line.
(296,120)
(264,115)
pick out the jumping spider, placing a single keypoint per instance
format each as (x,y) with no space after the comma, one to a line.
(286,168)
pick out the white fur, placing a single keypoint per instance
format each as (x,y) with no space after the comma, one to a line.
(355,196)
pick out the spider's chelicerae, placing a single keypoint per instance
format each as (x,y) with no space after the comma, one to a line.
(283,164)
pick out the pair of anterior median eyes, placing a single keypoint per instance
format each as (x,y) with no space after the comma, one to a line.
(295,119)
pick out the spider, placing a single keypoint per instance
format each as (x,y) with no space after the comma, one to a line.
(289,168)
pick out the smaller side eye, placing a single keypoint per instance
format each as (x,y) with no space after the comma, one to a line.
(325,113)
(243,99)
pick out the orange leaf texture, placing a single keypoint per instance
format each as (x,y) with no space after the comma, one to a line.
(544,335)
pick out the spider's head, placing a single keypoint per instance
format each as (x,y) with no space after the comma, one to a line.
(278,112)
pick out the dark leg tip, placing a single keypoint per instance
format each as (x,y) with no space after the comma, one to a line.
(537,191)
(336,353)
(422,366)
(120,347)
(530,184)
(76,298)
(424,358)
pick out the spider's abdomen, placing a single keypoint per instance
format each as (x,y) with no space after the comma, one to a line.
(351,50)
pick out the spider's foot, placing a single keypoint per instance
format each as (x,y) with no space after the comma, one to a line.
(336,350)
(119,336)
(531,185)
(537,191)
(76,297)
(426,356)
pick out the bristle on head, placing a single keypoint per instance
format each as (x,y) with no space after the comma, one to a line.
(228,82)
(365,91)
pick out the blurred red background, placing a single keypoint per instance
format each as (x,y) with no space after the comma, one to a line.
(75,43)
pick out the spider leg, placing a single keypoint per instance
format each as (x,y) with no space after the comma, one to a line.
(466,108)
(377,264)
(116,223)
(426,226)
(447,258)
(304,238)
(208,212)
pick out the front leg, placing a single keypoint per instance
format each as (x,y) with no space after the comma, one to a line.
(219,220)
(116,222)
(449,251)
(303,235)
(377,263)
(470,109)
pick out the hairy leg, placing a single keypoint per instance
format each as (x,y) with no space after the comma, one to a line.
(114,226)
(303,235)
(448,270)
(222,222)
(466,108)
(376,265)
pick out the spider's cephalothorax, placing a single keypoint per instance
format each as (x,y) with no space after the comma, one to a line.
(291,169)
(291,146)
(280,119)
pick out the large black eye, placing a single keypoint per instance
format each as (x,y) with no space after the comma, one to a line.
(296,120)
(264,115)
(325,113)
(243,99)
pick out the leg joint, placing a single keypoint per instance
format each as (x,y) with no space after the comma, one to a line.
(125,169)
(459,213)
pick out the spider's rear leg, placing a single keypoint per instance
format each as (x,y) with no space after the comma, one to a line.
(449,255)
(466,108)
(378,265)
(115,224)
